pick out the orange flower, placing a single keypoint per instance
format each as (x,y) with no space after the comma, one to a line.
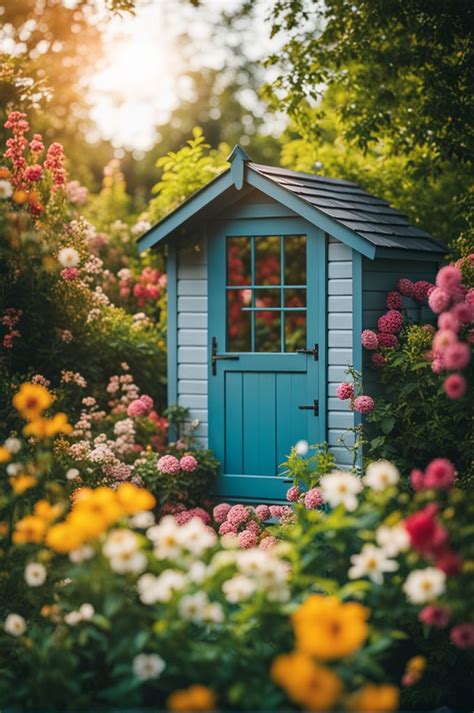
(375,699)
(30,529)
(329,629)
(19,197)
(308,684)
(4,529)
(134,499)
(22,482)
(64,538)
(4,173)
(5,455)
(194,698)
(31,400)
(47,511)
(48,427)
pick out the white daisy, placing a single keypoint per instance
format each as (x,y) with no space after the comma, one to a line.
(153,589)
(72,618)
(120,542)
(214,613)
(68,257)
(148,666)
(392,540)
(372,562)
(424,585)
(72,474)
(35,574)
(167,538)
(86,611)
(239,588)
(196,537)
(86,552)
(381,474)
(142,520)
(134,562)
(341,488)
(15,625)
(6,189)
(193,606)
(13,445)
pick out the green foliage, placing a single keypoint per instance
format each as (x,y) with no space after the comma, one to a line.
(308,470)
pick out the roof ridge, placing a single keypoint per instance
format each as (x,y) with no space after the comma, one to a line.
(311,176)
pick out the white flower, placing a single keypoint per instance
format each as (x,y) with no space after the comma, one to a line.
(148,666)
(197,572)
(13,445)
(124,561)
(14,468)
(86,552)
(72,618)
(196,537)
(141,227)
(221,559)
(72,474)
(424,585)
(341,488)
(381,474)
(86,611)
(214,613)
(6,189)
(239,588)
(68,257)
(153,589)
(142,520)
(392,540)
(166,537)
(372,562)
(193,606)
(15,625)
(35,574)
(120,542)
(302,448)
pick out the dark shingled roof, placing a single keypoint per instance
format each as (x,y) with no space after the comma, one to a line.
(370,217)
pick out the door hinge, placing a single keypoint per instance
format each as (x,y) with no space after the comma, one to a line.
(314,351)
(314,407)
(215,357)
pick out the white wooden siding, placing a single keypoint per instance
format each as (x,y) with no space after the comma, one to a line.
(192,334)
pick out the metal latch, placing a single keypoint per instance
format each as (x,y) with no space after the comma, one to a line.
(314,351)
(314,407)
(215,357)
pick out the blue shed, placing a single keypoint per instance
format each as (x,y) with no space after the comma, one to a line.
(272,276)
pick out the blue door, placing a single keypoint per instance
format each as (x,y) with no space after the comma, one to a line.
(263,366)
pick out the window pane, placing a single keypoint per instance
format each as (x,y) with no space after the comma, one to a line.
(267,260)
(238,261)
(295,331)
(268,297)
(239,323)
(268,331)
(295,259)
(295,298)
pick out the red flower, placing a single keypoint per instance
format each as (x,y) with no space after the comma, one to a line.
(450,563)
(440,473)
(462,636)
(435,615)
(421,528)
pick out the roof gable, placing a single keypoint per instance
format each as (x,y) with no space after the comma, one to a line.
(341,208)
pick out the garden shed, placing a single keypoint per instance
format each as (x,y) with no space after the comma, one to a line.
(272,276)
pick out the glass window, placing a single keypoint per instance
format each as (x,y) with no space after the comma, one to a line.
(295,331)
(267,260)
(295,259)
(239,321)
(268,331)
(238,261)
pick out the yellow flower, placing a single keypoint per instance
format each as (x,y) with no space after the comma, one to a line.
(416,664)
(308,684)
(134,499)
(101,502)
(31,400)
(5,455)
(87,524)
(22,482)
(48,427)
(64,538)
(375,699)
(329,629)
(30,529)
(47,511)
(194,698)
(4,529)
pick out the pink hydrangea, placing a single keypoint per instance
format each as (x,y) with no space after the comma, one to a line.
(443,339)
(448,321)
(448,278)
(253,526)
(147,401)
(172,508)
(438,300)
(313,499)
(137,408)
(268,543)
(169,465)
(220,512)
(227,528)
(247,539)
(378,360)
(457,356)
(364,404)
(394,300)
(440,473)
(420,290)
(437,365)
(69,273)
(391,322)
(405,286)
(369,339)
(462,636)
(183,517)
(201,514)
(458,293)
(277,510)
(188,464)
(293,494)
(345,391)
(469,299)
(263,512)
(464,312)
(455,386)
(237,515)
(435,615)
(33,173)
(386,340)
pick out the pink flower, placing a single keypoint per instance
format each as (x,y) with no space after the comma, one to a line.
(387,340)
(394,300)
(444,338)
(378,360)
(437,365)
(470,297)
(345,391)
(253,526)
(448,278)
(440,473)
(33,173)
(391,322)
(268,542)
(237,515)
(455,386)
(183,517)
(201,514)
(36,144)
(188,464)
(435,615)
(263,512)
(420,290)
(313,499)
(405,286)
(247,539)
(227,528)
(172,508)
(417,479)
(448,321)
(277,510)
(457,356)
(293,493)
(438,300)
(369,339)
(364,404)
(147,401)
(54,162)
(169,465)
(220,512)
(462,636)
(69,273)
(137,408)
(449,562)
(464,312)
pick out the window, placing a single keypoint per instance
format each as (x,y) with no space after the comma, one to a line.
(266,293)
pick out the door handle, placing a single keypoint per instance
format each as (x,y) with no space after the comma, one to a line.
(314,407)
(314,351)
(215,357)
